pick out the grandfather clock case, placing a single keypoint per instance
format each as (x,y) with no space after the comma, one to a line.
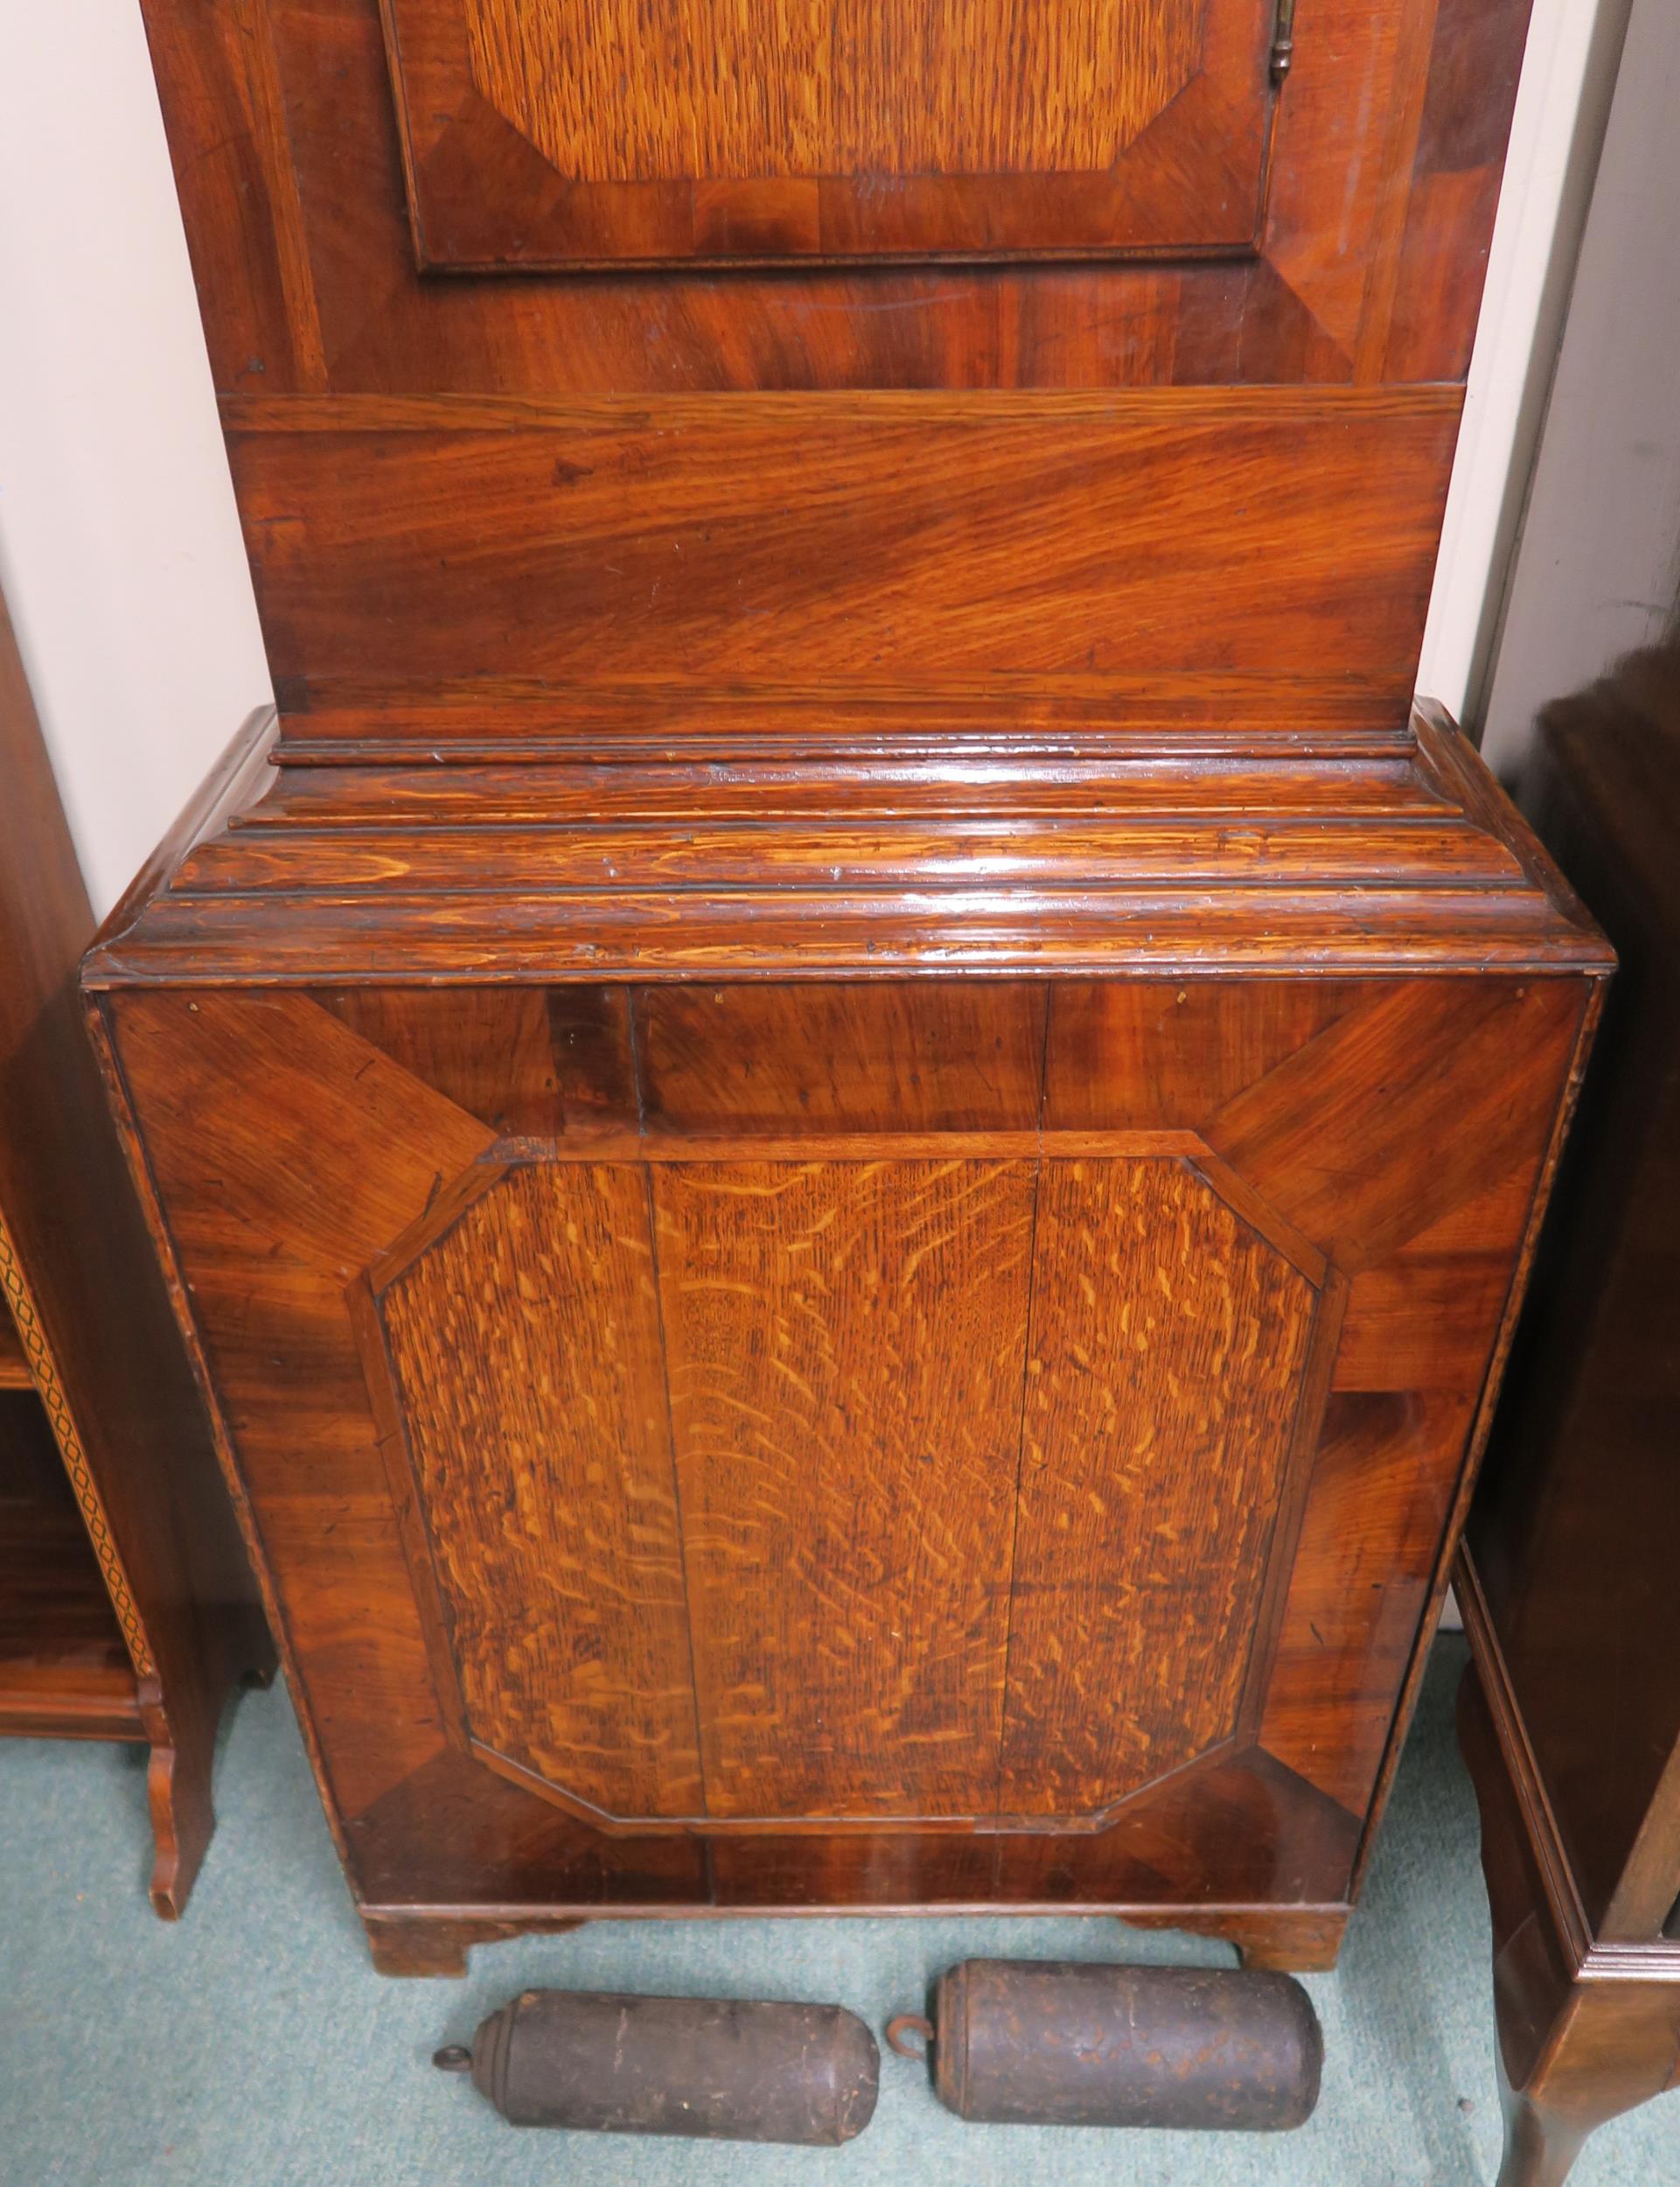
(845,1111)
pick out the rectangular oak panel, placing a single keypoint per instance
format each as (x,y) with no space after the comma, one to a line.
(526,1345)
(846,1345)
(668,90)
(1168,1347)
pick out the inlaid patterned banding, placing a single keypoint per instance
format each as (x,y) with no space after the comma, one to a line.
(44,1368)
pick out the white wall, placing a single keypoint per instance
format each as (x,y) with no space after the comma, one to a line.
(120,550)
(1563,103)
(119,546)
(1597,570)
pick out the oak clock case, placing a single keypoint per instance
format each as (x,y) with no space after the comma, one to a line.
(847,1113)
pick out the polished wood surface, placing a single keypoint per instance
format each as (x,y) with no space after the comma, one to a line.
(925,478)
(1389,136)
(906,541)
(546,133)
(126,1607)
(1572,1714)
(851,1131)
(770,1416)
(1184,847)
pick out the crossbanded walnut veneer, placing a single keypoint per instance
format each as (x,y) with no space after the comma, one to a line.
(849,1136)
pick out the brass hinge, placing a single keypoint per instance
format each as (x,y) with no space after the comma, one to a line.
(1283,40)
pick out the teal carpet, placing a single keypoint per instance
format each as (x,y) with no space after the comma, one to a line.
(254,2046)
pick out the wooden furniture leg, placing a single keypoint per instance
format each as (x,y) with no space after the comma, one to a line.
(1586,2030)
(1608,2047)
(182,1738)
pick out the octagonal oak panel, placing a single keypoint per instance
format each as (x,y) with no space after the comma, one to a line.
(546,132)
(1385,1135)
(873,1489)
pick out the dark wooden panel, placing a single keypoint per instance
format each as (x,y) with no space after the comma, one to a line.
(846,1345)
(1587,2029)
(1168,1350)
(14,1361)
(1284,535)
(453,1832)
(525,1346)
(889,1057)
(555,134)
(1381,1488)
(1443,1085)
(288,1154)
(530,1063)
(1159,1055)
(1576,1522)
(1468,101)
(64,1669)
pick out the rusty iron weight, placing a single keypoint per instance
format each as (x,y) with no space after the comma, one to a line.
(1057,2042)
(710,2068)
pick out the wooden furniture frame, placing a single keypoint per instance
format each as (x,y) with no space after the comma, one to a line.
(849,1134)
(126,1605)
(1571,1711)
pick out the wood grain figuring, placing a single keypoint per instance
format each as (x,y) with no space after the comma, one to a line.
(1382,1487)
(892,1056)
(1168,1347)
(1009,852)
(817,1570)
(525,1348)
(327,192)
(1467,1068)
(893,537)
(1217,854)
(552,136)
(265,1257)
(658,90)
(1147,1055)
(390,784)
(846,1347)
(530,1064)
(845,595)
